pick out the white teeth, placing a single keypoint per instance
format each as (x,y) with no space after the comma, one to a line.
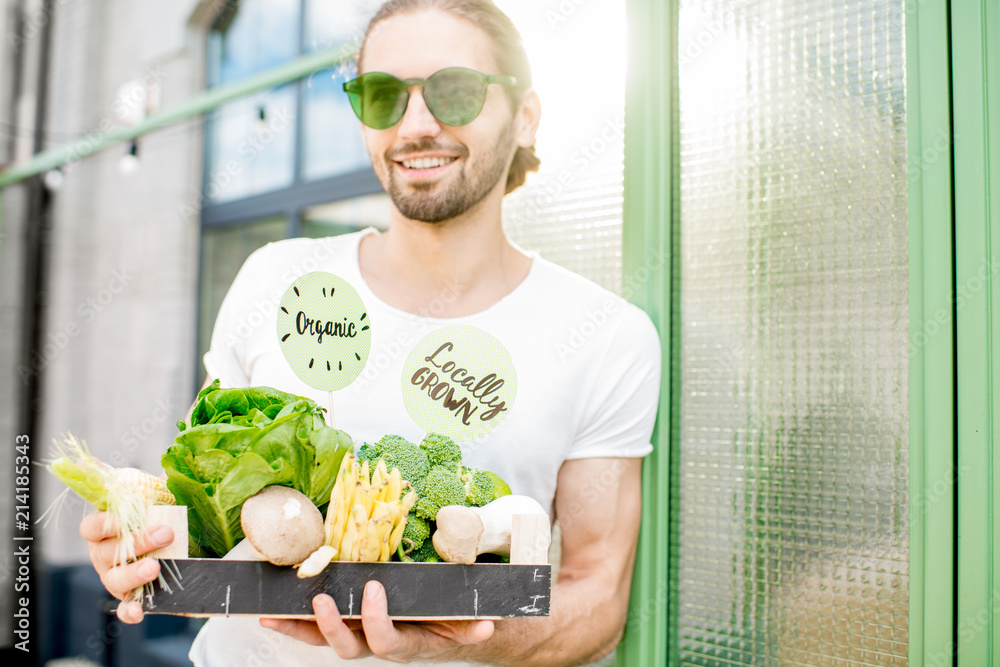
(427,162)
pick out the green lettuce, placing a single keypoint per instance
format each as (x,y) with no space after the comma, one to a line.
(238,442)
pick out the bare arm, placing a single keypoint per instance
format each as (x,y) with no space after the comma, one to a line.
(598,504)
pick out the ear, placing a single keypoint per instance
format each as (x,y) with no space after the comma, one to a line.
(528,116)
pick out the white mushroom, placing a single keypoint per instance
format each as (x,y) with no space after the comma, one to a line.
(465,532)
(282,524)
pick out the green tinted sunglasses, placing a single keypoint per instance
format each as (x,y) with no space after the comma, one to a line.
(454,95)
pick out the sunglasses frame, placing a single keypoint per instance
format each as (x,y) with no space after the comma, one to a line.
(355,87)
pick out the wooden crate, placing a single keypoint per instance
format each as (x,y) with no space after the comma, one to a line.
(205,587)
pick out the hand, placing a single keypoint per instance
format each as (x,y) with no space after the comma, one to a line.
(101,530)
(376,634)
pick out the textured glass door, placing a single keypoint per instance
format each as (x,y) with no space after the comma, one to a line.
(790,516)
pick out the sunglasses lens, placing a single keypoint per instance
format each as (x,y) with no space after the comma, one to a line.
(455,95)
(378,99)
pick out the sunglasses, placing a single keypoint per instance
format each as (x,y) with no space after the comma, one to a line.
(454,95)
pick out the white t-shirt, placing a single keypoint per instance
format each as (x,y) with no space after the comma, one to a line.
(587,365)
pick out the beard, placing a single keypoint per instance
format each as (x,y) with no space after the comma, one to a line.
(418,201)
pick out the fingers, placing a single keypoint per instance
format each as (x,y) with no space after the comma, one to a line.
(98,526)
(413,640)
(122,579)
(381,634)
(376,634)
(480,631)
(130,612)
(348,643)
(106,552)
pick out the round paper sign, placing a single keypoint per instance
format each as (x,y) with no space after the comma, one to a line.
(459,381)
(324,331)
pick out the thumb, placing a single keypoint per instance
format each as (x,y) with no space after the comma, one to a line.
(480,631)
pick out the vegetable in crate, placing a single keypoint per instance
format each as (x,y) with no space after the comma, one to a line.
(366,517)
(124,493)
(398,452)
(436,472)
(240,441)
(282,525)
(463,533)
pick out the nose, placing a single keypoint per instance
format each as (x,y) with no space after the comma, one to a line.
(417,121)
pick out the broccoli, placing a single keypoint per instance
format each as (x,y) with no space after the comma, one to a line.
(397,452)
(442,486)
(500,487)
(425,554)
(392,440)
(441,450)
(478,486)
(416,532)
(369,452)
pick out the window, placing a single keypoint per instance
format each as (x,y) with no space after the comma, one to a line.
(271,156)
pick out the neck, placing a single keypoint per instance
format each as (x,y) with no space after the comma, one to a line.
(447,269)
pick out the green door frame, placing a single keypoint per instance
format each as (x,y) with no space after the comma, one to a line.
(953,90)
(651,158)
(933,474)
(975,78)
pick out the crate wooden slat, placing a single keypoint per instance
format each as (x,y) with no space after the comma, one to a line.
(414,591)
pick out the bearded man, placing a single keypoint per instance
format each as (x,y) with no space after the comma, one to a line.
(449,120)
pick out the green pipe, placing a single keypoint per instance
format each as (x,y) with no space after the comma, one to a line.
(96,141)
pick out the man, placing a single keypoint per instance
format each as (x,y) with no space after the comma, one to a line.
(582,420)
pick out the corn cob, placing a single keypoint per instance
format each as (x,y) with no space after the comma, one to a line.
(124,493)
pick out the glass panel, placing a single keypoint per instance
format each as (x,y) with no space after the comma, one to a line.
(571,210)
(791,522)
(331,142)
(251,145)
(251,36)
(223,252)
(348,215)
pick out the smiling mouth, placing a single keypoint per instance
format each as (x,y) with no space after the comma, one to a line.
(427,162)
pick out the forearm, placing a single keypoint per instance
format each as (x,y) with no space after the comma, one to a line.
(585,623)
